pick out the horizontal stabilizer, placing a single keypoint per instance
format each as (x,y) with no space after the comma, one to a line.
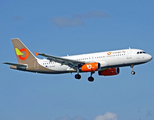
(18,65)
(36,53)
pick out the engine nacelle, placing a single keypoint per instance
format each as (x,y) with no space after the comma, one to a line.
(90,67)
(109,72)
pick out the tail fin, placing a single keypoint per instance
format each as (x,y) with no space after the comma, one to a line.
(23,54)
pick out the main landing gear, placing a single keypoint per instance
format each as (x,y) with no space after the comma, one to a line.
(78,76)
(91,79)
(133,73)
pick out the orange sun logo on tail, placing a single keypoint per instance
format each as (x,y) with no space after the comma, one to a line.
(19,53)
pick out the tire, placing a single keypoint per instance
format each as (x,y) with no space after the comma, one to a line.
(78,76)
(90,79)
(133,73)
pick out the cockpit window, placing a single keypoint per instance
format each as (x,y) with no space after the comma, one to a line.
(141,52)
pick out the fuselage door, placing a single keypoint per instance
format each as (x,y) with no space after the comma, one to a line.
(129,54)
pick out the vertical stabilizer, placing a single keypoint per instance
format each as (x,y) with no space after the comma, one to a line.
(23,54)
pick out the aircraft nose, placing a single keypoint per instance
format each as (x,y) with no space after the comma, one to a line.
(149,57)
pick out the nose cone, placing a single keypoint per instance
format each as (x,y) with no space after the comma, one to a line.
(149,57)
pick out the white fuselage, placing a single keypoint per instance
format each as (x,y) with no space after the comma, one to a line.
(109,59)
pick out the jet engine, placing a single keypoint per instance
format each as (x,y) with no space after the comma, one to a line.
(90,67)
(109,72)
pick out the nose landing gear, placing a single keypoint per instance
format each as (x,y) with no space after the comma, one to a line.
(133,73)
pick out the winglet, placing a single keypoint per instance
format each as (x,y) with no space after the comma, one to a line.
(36,53)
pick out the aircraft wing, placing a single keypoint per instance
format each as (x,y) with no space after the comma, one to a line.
(62,61)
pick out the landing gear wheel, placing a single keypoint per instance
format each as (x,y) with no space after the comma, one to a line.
(90,79)
(133,73)
(77,76)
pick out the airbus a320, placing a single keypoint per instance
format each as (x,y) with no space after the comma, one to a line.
(105,63)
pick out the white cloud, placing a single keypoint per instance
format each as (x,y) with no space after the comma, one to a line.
(67,22)
(107,116)
(149,113)
(17,18)
(77,19)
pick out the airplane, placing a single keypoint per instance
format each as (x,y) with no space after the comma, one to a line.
(105,63)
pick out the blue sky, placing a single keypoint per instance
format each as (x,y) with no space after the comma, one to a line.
(59,28)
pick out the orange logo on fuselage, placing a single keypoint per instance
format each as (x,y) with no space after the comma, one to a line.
(109,53)
(19,53)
